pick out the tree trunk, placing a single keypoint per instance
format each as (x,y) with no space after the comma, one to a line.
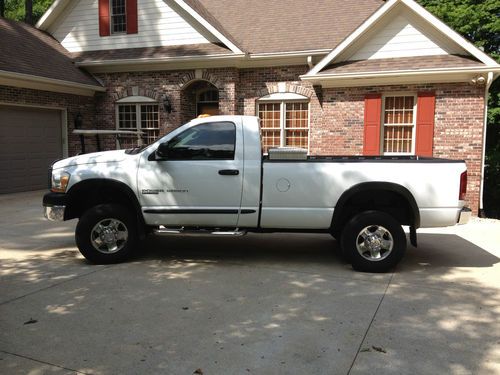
(28,4)
(2,8)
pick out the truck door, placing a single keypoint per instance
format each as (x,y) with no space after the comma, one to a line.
(198,179)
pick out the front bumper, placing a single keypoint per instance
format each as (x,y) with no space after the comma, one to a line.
(54,206)
(464,216)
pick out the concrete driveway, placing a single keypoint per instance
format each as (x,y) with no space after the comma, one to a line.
(261,304)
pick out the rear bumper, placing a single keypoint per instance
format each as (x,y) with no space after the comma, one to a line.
(464,216)
(54,206)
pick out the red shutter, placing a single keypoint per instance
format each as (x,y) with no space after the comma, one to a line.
(104,18)
(373,108)
(132,26)
(426,104)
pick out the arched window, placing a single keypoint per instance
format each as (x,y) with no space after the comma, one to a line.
(139,114)
(285,120)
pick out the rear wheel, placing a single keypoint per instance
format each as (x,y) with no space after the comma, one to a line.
(106,233)
(373,241)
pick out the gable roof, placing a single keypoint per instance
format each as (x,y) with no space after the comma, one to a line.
(41,56)
(419,11)
(265,26)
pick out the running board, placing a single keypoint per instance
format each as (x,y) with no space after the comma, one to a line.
(163,231)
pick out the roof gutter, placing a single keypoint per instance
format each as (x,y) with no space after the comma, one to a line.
(7,77)
(304,53)
(398,73)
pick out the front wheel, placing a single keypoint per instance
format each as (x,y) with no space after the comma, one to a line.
(373,241)
(106,234)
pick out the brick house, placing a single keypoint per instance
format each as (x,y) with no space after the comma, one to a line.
(369,77)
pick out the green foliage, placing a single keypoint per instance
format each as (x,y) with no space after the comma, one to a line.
(479,22)
(14,9)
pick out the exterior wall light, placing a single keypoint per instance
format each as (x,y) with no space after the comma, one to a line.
(167,104)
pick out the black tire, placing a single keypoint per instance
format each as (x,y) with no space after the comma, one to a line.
(373,233)
(116,223)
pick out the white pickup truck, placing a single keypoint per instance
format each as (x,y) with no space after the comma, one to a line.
(209,176)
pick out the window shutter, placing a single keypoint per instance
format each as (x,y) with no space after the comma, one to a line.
(104,18)
(132,27)
(426,104)
(373,108)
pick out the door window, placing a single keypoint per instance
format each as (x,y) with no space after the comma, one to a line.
(213,141)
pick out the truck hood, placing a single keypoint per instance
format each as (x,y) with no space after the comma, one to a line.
(93,158)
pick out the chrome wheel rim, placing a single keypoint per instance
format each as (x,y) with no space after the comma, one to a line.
(374,243)
(109,236)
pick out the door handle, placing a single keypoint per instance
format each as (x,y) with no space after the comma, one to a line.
(229,172)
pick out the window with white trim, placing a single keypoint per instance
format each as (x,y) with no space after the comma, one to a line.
(284,122)
(399,123)
(141,118)
(118,13)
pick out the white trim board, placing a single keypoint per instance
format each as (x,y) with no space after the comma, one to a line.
(47,84)
(209,27)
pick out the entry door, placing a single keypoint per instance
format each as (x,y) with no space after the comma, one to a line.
(199,182)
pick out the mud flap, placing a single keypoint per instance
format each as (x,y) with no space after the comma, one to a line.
(413,236)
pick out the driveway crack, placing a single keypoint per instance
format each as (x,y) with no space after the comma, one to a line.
(54,285)
(370,325)
(44,362)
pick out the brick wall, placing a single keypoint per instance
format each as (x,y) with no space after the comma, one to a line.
(337,117)
(161,84)
(337,114)
(72,103)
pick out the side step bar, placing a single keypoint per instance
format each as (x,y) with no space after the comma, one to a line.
(163,231)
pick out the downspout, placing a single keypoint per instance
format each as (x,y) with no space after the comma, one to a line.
(310,61)
(489,81)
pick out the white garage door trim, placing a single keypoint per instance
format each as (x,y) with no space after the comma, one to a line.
(64,121)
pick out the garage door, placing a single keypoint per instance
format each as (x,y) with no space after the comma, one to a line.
(30,140)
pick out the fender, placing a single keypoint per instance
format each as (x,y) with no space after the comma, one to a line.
(114,191)
(380,186)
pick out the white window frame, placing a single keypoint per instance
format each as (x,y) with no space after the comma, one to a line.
(111,19)
(136,101)
(283,99)
(414,125)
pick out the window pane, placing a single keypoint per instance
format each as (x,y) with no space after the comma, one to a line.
(398,139)
(399,124)
(270,138)
(118,16)
(204,142)
(297,138)
(150,124)
(270,114)
(297,115)
(127,121)
(126,117)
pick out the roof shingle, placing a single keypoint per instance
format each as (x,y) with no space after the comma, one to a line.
(402,63)
(266,26)
(188,50)
(27,50)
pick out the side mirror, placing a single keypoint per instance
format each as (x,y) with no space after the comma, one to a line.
(162,151)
